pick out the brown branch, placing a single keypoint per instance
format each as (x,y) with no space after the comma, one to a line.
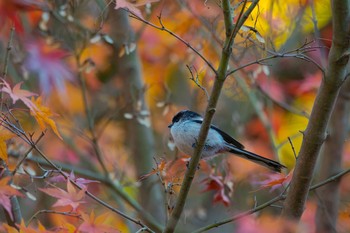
(221,75)
(270,203)
(332,153)
(89,194)
(294,53)
(315,133)
(71,214)
(26,154)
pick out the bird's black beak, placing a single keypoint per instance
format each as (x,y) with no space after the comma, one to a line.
(169,126)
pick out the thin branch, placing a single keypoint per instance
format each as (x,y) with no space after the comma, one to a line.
(195,79)
(89,194)
(221,75)
(26,154)
(163,28)
(94,140)
(8,52)
(114,186)
(294,53)
(284,106)
(269,203)
(316,129)
(71,214)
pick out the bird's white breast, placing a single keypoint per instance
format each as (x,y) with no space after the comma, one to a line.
(185,135)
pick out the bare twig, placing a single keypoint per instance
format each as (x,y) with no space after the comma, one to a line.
(221,75)
(89,194)
(195,79)
(294,53)
(163,28)
(26,154)
(91,126)
(284,106)
(316,129)
(71,214)
(7,54)
(269,203)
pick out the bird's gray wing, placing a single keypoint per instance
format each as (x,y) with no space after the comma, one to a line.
(224,135)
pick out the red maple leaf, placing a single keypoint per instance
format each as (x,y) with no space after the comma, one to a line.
(275,181)
(222,189)
(6,191)
(18,94)
(72,197)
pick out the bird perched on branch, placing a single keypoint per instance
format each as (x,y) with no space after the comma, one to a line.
(184,130)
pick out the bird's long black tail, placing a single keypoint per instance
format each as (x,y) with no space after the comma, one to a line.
(271,164)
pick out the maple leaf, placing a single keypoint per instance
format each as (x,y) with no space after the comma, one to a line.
(97,224)
(6,191)
(222,190)
(7,228)
(67,228)
(160,168)
(275,181)
(80,181)
(43,116)
(18,94)
(26,229)
(47,62)
(71,197)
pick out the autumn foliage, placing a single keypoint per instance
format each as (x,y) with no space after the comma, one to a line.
(88,89)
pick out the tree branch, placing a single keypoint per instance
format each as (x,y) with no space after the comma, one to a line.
(315,133)
(221,75)
(163,28)
(270,203)
(332,153)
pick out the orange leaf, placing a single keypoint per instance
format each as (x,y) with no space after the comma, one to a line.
(4,135)
(97,224)
(26,229)
(42,115)
(160,168)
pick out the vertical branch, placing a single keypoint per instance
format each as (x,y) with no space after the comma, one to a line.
(332,153)
(91,127)
(221,75)
(7,58)
(139,136)
(315,132)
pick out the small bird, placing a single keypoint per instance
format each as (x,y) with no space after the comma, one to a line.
(184,130)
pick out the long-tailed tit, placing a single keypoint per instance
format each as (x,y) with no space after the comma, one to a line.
(185,128)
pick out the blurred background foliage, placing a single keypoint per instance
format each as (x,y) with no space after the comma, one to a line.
(62,49)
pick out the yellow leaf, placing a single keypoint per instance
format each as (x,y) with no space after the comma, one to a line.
(3,151)
(293,125)
(43,116)
(4,135)
(278,19)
